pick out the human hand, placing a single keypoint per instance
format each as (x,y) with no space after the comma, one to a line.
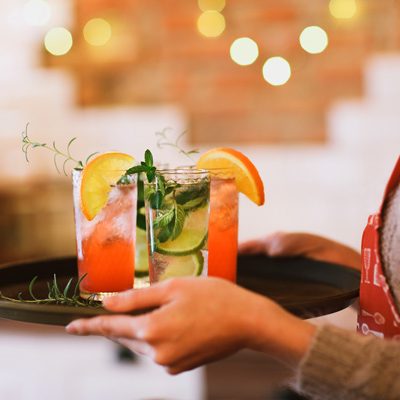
(199,320)
(281,244)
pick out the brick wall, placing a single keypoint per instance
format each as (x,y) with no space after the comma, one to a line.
(158,56)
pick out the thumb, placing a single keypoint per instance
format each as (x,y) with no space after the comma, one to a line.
(255,246)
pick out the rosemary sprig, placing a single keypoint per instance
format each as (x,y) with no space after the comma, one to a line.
(165,141)
(28,144)
(56,295)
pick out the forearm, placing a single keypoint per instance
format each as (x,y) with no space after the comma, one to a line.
(280,244)
(280,334)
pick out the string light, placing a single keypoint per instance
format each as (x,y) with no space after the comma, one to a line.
(97,32)
(314,39)
(343,9)
(211,23)
(244,51)
(58,41)
(276,71)
(37,12)
(215,5)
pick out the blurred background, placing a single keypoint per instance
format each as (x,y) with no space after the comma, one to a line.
(310,91)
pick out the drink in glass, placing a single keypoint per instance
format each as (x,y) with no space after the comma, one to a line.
(223,226)
(177,212)
(106,244)
(142,278)
(141,253)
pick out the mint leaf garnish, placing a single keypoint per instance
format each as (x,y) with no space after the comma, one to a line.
(179,221)
(193,204)
(174,206)
(191,193)
(164,234)
(148,158)
(164,218)
(156,200)
(171,201)
(145,166)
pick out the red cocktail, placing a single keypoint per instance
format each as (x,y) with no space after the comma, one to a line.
(106,244)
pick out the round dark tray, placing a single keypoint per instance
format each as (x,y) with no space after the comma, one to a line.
(304,287)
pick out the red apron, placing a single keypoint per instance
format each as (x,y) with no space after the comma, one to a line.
(378,314)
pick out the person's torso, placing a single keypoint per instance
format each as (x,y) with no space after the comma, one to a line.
(380,276)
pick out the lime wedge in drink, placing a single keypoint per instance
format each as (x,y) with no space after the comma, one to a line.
(188,242)
(197,220)
(142,260)
(184,266)
(192,238)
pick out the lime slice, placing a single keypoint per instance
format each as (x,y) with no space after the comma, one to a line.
(142,257)
(188,242)
(184,266)
(197,220)
(192,238)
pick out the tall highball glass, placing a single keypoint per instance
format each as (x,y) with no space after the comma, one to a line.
(223,226)
(177,215)
(106,244)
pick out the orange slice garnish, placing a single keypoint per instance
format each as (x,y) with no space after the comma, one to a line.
(98,176)
(248,179)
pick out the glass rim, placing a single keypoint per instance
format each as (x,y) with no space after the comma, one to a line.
(80,170)
(179,170)
(76,174)
(182,175)
(189,167)
(216,172)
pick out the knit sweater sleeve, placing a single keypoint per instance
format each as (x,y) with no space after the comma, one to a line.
(345,365)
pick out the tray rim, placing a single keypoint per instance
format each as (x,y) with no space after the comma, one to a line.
(344,299)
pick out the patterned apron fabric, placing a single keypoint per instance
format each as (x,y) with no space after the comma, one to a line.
(378,314)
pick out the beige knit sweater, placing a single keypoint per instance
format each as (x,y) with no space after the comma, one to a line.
(342,365)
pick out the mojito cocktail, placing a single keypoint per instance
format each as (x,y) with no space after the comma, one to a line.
(141,257)
(177,212)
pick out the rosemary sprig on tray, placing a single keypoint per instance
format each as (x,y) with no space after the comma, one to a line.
(28,144)
(69,295)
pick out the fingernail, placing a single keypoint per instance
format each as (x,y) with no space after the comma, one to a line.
(115,299)
(107,300)
(110,301)
(71,328)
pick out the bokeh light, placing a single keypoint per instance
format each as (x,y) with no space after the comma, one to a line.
(343,9)
(37,12)
(211,23)
(216,5)
(58,41)
(314,39)
(244,51)
(97,32)
(276,71)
